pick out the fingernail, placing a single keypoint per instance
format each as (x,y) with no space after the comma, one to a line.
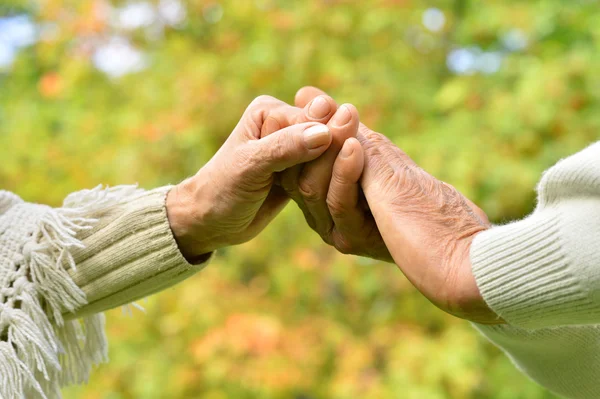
(342,116)
(319,108)
(347,150)
(316,136)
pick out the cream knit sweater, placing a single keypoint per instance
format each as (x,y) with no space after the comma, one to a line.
(542,275)
(108,247)
(59,268)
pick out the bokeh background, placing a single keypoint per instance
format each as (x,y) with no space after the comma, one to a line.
(484,95)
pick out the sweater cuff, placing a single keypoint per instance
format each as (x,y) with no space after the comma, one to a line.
(129,254)
(524,275)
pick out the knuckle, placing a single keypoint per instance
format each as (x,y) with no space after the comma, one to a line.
(373,141)
(336,208)
(257,117)
(310,191)
(259,108)
(261,101)
(380,138)
(368,134)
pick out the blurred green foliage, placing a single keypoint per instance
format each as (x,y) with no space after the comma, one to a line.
(284,316)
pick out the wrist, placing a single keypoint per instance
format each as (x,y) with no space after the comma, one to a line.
(468,303)
(186,213)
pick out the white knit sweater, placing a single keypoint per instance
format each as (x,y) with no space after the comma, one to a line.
(542,275)
(60,267)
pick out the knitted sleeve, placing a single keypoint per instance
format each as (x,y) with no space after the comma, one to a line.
(61,267)
(542,275)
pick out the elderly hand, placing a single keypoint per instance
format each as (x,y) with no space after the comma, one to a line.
(426,224)
(232,198)
(428,227)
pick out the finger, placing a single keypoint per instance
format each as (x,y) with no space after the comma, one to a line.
(343,194)
(320,109)
(313,183)
(305,98)
(271,125)
(306,94)
(316,213)
(267,114)
(355,230)
(287,147)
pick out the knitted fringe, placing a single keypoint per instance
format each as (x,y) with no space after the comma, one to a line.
(42,351)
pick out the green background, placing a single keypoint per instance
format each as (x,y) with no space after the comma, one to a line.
(285,316)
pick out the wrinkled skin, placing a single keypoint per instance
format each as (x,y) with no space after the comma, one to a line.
(360,192)
(422,224)
(232,198)
(340,216)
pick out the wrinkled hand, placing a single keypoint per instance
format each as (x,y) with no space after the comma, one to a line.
(232,198)
(428,227)
(426,224)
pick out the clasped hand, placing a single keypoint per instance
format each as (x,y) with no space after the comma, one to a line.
(357,190)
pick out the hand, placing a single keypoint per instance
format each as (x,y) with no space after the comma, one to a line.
(232,198)
(428,227)
(426,224)
(327,189)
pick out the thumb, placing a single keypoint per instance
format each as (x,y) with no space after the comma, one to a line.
(290,146)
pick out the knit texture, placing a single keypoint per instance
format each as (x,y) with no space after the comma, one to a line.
(60,267)
(542,275)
